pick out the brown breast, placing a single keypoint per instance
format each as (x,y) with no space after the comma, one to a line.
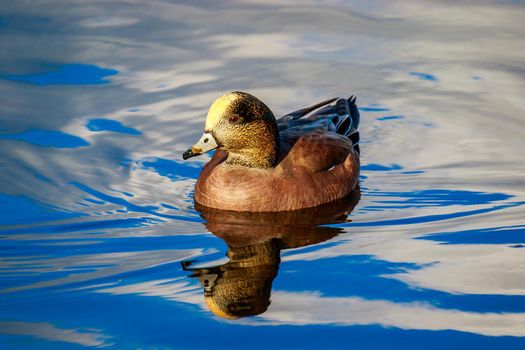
(314,169)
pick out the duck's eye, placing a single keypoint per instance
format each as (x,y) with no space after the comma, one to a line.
(234,118)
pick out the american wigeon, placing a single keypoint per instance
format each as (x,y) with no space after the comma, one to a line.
(304,159)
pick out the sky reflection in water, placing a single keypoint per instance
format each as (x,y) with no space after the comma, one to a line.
(101,246)
(68,74)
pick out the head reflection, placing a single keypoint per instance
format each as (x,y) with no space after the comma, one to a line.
(242,286)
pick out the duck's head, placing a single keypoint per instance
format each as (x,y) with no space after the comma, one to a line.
(242,125)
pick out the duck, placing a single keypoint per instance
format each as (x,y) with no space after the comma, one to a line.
(303,159)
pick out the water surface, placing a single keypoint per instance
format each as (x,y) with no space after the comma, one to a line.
(101,245)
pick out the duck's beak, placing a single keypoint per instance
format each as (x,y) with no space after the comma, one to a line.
(206,143)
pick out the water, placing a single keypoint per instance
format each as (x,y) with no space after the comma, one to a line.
(101,245)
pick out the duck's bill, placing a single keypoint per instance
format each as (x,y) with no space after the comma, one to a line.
(205,144)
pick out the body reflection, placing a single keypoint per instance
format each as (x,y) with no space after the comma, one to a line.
(242,286)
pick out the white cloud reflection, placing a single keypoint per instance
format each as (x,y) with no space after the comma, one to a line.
(85,337)
(71,269)
(106,22)
(310,308)
(313,309)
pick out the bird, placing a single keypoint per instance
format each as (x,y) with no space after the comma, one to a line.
(304,159)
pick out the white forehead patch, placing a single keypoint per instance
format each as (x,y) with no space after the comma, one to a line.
(218,108)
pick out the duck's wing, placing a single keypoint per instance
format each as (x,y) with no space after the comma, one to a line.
(304,111)
(341,117)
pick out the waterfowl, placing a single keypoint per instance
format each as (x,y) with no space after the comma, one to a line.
(304,159)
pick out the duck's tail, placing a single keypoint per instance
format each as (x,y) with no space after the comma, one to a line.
(347,119)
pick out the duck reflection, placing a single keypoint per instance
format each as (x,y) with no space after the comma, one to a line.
(242,286)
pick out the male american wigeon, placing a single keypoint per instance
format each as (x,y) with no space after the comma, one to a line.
(304,159)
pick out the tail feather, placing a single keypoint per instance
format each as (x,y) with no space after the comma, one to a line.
(346,118)
(304,111)
(354,112)
(349,118)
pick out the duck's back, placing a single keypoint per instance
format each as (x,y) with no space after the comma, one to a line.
(319,163)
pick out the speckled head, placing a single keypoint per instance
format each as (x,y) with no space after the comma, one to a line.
(221,107)
(242,125)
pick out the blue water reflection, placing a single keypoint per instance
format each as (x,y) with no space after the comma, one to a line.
(47,138)
(110,125)
(379,167)
(496,235)
(172,169)
(424,76)
(67,74)
(390,117)
(24,210)
(374,108)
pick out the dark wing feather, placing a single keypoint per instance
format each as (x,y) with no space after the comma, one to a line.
(304,111)
(342,117)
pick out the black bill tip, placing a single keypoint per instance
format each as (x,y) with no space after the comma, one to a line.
(189,153)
